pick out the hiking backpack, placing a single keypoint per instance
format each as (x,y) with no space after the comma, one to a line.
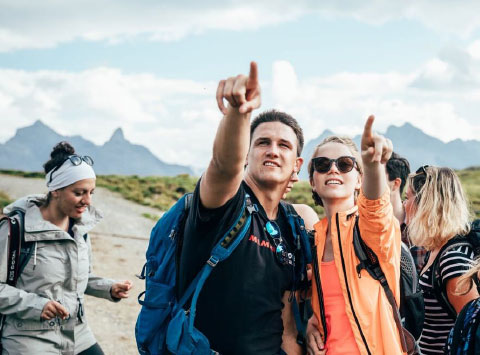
(464,338)
(471,239)
(163,325)
(18,252)
(411,299)
(412,307)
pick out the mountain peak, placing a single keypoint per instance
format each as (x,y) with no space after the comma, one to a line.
(117,135)
(39,124)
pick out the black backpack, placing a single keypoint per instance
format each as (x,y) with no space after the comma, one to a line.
(464,338)
(19,252)
(472,239)
(412,308)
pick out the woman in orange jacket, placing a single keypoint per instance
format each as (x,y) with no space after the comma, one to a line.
(352,314)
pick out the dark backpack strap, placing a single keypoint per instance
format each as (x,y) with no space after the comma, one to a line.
(369,261)
(303,256)
(15,221)
(316,274)
(220,252)
(439,288)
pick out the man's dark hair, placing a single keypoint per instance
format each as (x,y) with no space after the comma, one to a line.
(398,167)
(282,117)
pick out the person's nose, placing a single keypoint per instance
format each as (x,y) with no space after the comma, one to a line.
(273,150)
(333,168)
(87,199)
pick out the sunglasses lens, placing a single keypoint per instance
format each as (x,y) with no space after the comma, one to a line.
(322,164)
(75,159)
(345,164)
(88,160)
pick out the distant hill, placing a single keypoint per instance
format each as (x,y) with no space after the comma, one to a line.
(31,147)
(419,148)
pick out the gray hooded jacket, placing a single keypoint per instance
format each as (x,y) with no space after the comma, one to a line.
(60,269)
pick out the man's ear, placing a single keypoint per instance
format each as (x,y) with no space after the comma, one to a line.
(396,184)
(298,164)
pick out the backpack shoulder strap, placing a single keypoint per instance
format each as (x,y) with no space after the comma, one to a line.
(303,257)
(221,251)
(15,220)
(188,201)
(368,260)
(439,288)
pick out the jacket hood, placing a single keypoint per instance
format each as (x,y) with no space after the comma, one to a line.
(35,224)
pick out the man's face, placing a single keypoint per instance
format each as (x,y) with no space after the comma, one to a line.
(273,154)
(394,186)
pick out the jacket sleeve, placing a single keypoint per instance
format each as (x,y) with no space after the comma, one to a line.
(379,228)
(25,305)
(98,286)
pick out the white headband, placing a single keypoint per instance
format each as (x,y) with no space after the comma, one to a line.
(69,174)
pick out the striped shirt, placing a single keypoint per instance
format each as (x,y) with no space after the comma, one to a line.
(436,327)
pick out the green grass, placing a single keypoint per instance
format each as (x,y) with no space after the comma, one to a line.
(153,217)
(4,200)
(471,182)
(158,192)
(302,194)
(162,192)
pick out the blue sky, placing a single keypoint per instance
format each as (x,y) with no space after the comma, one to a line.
(152,67)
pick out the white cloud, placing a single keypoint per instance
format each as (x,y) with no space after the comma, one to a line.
(474,49)
(174,118)
(341,102)
(33,24)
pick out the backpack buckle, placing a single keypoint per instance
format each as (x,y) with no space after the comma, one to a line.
(252,208)
(213,261)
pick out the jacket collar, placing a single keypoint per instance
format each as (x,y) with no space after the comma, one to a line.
(36,227)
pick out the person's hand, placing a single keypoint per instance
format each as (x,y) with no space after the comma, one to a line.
(315,344)
(241,92)
(375,147)
(53,309)
(120,289)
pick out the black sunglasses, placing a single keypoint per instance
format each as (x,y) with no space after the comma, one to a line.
(344,164)
(283,255)
(75,159)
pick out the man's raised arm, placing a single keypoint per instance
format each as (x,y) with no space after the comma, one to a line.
(225,171)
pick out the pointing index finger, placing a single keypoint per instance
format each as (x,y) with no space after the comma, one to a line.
(367,131)
(253,75)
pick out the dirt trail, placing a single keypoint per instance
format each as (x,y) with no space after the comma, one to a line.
(119,243)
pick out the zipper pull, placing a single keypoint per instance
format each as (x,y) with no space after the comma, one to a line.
(360,266)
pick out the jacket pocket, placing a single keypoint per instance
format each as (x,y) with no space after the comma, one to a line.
(23,324)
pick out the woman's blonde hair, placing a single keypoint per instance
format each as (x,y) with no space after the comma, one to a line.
(350,144)
(440,210)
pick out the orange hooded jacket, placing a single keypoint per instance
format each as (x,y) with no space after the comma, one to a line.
(367,306)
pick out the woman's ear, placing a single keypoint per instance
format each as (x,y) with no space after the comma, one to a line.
(358,186)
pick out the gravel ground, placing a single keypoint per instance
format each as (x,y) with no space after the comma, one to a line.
(119,243)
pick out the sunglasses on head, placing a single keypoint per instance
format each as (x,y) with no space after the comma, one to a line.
(75,159)
(422,170)
(281,252)
(344,164)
